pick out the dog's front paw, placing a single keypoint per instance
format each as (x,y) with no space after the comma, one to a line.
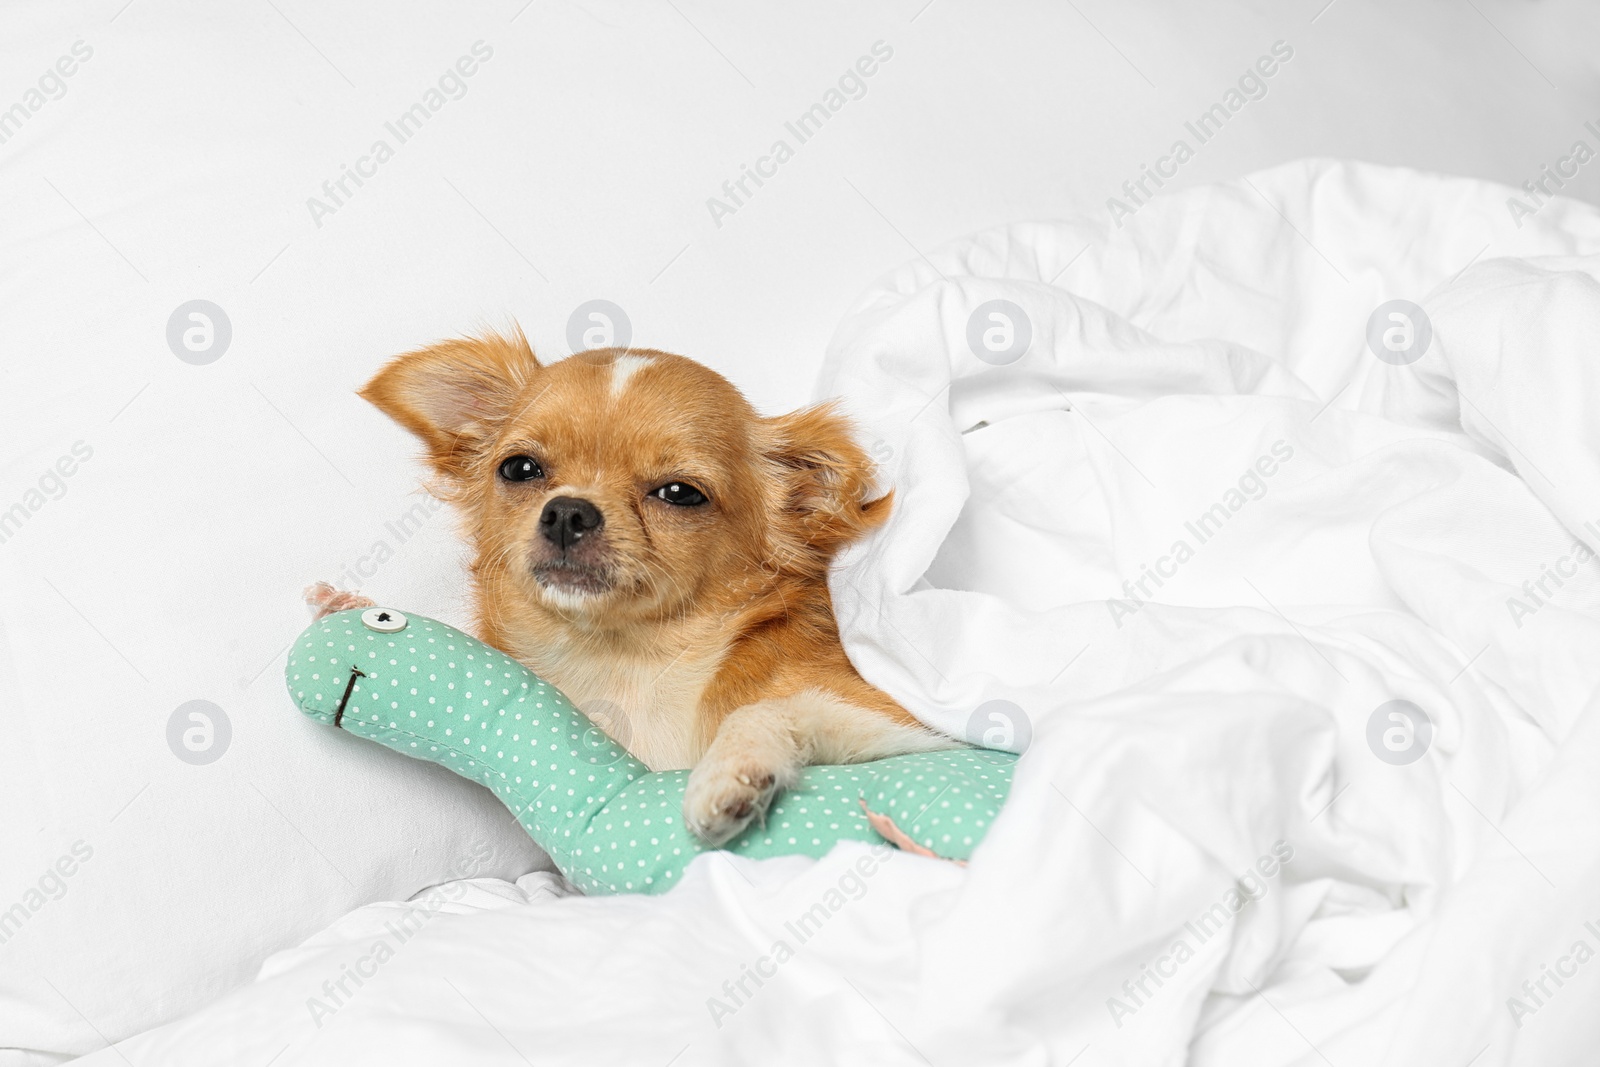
(724,797)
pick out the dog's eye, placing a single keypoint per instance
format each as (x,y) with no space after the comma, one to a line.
(520,469)
(680,493)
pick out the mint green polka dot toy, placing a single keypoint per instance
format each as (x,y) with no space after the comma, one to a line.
(611,825)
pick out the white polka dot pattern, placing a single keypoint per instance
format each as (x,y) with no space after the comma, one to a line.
(437,694)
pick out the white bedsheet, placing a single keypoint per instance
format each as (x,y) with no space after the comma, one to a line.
(180,160)
(1205,859)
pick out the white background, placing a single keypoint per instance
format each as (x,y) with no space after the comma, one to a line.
(577,166)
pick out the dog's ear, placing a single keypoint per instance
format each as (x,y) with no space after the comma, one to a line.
(455,394)
(824,478)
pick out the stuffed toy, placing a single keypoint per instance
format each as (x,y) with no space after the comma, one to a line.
(429,691)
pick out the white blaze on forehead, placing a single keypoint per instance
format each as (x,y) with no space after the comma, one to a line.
(624,368)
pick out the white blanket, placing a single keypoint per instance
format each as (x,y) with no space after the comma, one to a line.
(1200,537)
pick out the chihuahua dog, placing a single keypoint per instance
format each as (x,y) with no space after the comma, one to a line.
(654,548)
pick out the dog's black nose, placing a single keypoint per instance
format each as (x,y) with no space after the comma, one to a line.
(565,519)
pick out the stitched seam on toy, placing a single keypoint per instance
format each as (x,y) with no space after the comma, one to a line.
(350,686)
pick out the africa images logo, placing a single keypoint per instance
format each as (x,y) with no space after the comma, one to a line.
(451,85)
(1251,86)
(851,85)
(1252,885)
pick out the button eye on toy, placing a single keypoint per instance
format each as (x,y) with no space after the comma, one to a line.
(383,620)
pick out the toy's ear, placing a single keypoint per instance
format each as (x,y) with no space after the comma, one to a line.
(455,394)
(825,478)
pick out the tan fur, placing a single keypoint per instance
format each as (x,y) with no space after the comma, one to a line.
(705,634)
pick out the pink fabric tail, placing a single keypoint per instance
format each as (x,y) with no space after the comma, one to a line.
(899,838)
